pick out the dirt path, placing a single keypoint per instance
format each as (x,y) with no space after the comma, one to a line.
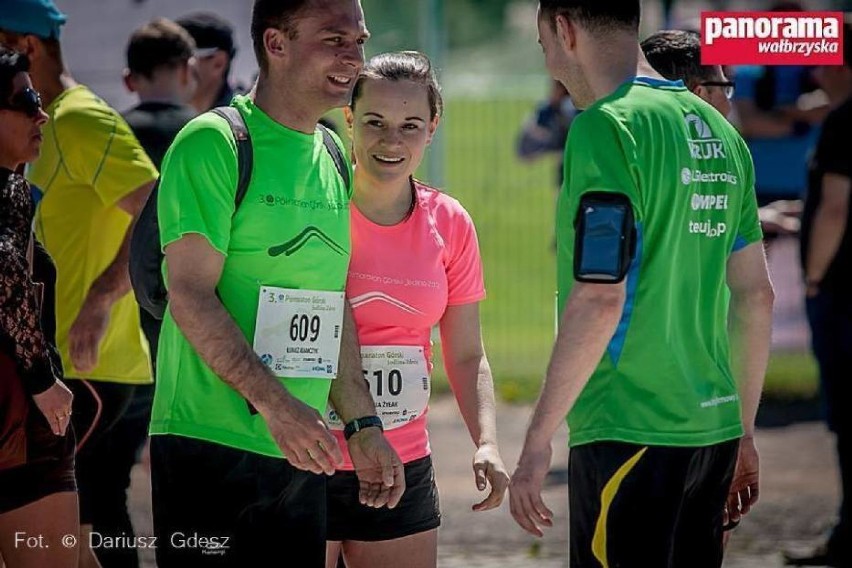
(798,496)
(799,492)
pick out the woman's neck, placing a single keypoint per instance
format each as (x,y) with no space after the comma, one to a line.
(384,203)
(9,164)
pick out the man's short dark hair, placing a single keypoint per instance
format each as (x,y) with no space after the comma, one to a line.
(161,44)
(278,14)
(595,15)
(11,63)
(676,55)
(210,30)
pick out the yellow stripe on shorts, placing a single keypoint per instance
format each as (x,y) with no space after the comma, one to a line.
(607,496)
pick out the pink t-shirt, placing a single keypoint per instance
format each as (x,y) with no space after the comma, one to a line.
(401,280)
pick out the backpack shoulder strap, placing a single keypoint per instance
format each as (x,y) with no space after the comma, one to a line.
(245,153)
(334,151)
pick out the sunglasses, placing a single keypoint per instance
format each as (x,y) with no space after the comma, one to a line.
(727,85)
(26,101)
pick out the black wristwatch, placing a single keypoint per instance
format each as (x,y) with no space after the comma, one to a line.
(360,423)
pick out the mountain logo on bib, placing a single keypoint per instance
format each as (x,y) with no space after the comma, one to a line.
(295,244)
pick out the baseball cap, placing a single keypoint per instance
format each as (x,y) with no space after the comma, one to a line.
(209,32)
(38,17)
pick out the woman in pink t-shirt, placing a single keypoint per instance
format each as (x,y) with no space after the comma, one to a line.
(415,264)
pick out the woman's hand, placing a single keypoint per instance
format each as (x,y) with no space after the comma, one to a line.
(55,405)
(488,469)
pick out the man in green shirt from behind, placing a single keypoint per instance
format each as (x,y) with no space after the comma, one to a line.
(248,353)
(658,247)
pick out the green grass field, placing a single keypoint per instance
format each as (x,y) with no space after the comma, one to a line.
(512,204)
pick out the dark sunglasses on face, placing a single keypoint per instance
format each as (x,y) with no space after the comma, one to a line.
(728,86)
(26,101)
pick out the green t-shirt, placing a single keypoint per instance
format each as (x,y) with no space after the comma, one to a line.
(296,197)
(665,378)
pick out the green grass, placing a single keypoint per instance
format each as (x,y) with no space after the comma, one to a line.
(791,375)
(512,204)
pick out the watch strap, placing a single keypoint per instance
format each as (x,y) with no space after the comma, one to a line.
(360,423)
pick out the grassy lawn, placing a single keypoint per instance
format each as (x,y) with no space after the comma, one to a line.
(791,376)
(512,204)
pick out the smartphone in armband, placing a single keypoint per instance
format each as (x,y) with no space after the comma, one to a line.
(605,242)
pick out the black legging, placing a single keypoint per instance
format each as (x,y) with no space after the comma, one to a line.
(104,461)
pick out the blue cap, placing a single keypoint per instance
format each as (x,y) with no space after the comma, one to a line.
(38,17)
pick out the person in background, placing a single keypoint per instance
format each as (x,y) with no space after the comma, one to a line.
(676,55)
(160,72)
(215,52)
(95,178)
(38,494)
(826,253)
(778,110)
(546,130)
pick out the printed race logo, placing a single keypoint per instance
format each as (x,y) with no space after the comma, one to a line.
(772,38)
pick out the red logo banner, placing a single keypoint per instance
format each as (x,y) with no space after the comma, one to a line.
(772,38)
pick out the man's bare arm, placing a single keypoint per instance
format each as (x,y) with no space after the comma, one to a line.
(194,270)
(110,286)
(114,282)
(750,320)
(470,376)
(350,394)
(380,472)
(586,328)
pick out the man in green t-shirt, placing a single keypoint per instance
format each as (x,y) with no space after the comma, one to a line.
(257,326)
(658,248)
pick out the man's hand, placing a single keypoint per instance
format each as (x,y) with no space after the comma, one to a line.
(55,405)
(745,487)
(302,436)
(528,510)
(87,331)
(488,469)
(381,475)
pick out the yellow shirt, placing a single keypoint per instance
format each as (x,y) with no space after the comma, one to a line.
(89,161)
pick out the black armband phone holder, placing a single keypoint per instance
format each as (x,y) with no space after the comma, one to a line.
(605,238)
